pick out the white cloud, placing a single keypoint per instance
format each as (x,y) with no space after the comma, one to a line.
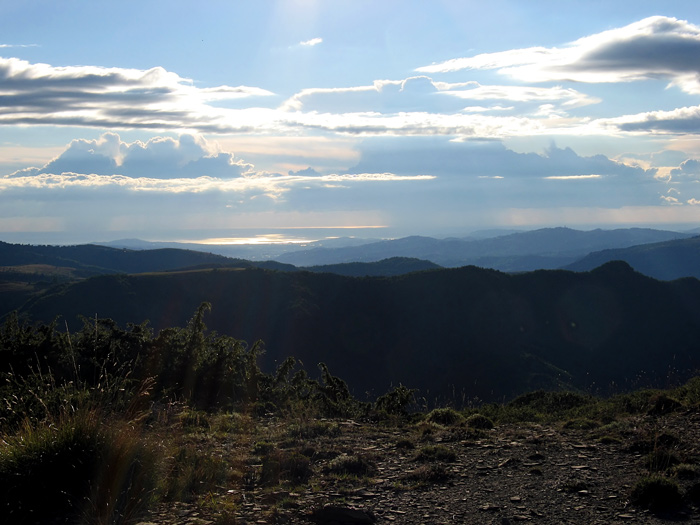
(568,97)
(312,42)
(677,121)
(655,47)
(109,97)
(188,164)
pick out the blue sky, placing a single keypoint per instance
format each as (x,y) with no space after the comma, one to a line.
(176,120)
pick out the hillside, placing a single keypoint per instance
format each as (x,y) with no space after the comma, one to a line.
(91,259)
(455,334)
(546,248)
(664,260)
(386,267)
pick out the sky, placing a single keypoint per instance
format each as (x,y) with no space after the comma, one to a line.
(305,119)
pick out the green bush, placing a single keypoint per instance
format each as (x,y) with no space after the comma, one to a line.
(479,422)
(581,424)
(353,465)
(435,453)
(396,401)
(77,468)
(193,472)
(656,493)
(433,473)
(444,416)
(280,465)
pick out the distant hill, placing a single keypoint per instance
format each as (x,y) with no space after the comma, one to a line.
(384,268)
(91,259)
(251,252)
(663,260)
(546,248)
(455,334)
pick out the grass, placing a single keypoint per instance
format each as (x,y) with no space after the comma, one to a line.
(78,467)
(657,493)
(108,451)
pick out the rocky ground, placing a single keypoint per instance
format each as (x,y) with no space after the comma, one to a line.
(434,474)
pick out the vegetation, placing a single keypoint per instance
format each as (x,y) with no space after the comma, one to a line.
(105,422)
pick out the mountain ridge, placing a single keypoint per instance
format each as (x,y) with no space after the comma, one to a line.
(452,333)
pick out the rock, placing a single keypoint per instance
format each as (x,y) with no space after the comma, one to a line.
(342,515)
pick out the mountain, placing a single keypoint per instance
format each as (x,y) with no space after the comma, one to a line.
(455,334)
(383,268)
(91,259)
(663,260)
(546,248)
(252,252)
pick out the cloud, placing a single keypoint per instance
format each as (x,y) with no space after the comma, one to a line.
(689,168)
(109,97)
(421,93)
(311,43)
(569,98)
(652,48)
(169,165)
(187,156)
(156,99)
(677,121)
(487,159)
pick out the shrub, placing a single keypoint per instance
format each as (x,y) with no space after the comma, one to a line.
(434,473)
(193,472)
(480,422)
(352,464)
(661,460)
(396,401)
(435,453)
(656,493)
(291,466)
(76,468)
(662,404)
(444,416)
(685,471)
(551,402)
(581,424)
(405,444)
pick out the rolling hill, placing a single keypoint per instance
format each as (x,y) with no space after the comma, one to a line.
(664,260)
(455,334)
(546,248)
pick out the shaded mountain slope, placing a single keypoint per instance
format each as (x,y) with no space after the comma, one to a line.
(386,267)
(454,333)
(665,260)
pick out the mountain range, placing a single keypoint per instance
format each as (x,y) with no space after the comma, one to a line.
(453,333)
(546,248)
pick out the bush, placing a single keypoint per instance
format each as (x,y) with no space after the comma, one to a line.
(656,493)
(434,473)
(396,401)
(581,424)
(661,460)
(435,453)
(282,465)
(444,416)
(76,468)
(480,422)
(353,465)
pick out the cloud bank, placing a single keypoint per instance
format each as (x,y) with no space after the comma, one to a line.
(652,48)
